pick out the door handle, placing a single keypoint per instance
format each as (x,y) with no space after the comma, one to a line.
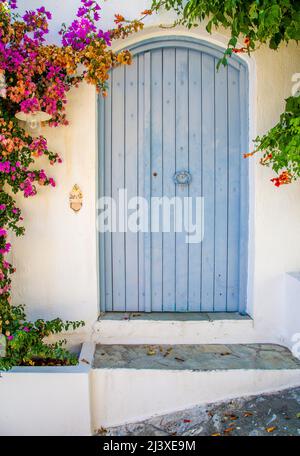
(182,177)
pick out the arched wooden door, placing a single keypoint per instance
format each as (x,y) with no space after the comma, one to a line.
(172,110)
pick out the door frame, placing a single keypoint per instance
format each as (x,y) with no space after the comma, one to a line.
(212,48)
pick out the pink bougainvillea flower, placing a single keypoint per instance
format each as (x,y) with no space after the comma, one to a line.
(30,105)
(6,248)
(3,232)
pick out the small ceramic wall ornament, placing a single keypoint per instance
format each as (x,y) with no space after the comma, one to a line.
(2,343)
(76,198)
(33,121)
(2,84)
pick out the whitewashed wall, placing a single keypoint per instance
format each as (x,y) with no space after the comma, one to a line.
(57,271)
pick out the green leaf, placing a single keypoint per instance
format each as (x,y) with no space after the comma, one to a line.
(233,41)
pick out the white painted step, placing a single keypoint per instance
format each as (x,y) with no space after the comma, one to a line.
(175,328)
(132,383)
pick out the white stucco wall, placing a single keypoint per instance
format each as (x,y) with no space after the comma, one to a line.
(57,271)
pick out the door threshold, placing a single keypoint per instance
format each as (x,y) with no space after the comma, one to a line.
(173,316)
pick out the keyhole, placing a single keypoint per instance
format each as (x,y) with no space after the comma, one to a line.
(155,174)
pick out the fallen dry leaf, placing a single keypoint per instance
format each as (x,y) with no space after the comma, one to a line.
(271,429)
(151,352)
(217,434)
(228,430)
(179,359)
(248,414)
(83,360)
(298,416)
(168,351)
(187,421)
(231,417)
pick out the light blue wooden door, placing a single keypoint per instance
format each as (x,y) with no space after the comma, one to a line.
(171,111)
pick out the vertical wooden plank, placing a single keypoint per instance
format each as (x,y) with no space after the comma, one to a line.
(141,159)
(221,189)
(101,194)
(182,163)
(208,182)
(147,177)
(168,173)
(131,167)
(234,128)
(195,190)
(244,194)
(156,174)
(118,162)
(107,192)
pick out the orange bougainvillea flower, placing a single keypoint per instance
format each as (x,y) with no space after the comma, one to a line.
(238,50)
(250,154)
(146,12)
(282,179)
(265,159)
(247,41)
(119,18)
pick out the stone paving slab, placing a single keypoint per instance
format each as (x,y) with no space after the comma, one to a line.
(265,415)
(195,357)
(173,316)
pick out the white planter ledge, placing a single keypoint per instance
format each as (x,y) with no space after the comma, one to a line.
(291,312)
(47,401)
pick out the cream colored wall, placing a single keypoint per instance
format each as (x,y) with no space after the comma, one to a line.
(277,210)
(57,259)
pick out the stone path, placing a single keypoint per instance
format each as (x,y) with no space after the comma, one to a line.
(266,415)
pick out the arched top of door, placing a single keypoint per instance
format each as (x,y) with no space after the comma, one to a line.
(185,42)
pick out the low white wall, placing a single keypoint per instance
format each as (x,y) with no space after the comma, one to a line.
(122,395)
(56,261)
(47,401)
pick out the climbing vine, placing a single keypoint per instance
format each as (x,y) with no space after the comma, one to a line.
(258,21)
(281,145)
(35,77)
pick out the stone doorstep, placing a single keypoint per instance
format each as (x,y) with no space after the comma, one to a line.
(177,328)
(173,316)
(200,357)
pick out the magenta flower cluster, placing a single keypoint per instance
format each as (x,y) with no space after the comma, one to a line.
(83,29)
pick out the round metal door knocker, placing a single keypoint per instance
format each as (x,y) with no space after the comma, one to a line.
(182,178)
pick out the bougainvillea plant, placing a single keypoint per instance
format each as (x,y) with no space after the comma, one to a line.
(37,77)
(258,22)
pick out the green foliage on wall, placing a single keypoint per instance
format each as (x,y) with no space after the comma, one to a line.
(259,21)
